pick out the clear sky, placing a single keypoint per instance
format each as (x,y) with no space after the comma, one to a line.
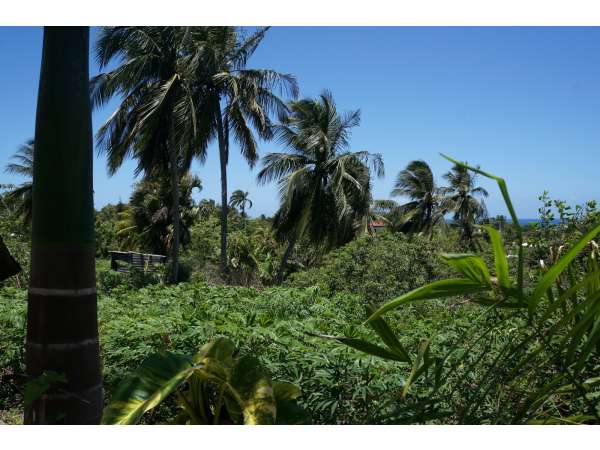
(523,103)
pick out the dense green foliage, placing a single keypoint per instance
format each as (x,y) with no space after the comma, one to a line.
(375,267)
(509,333)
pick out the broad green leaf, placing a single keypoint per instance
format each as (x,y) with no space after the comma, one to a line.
(437,289)
(284,390)
(558,267)
(288,410)
(252,387)
(152,382)
(471,266)
(386,334)
(220,349)
(500,260)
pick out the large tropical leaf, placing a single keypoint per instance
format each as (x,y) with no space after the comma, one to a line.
(252,388)
(288,411)
(151,383)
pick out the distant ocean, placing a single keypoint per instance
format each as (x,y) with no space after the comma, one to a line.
(521,221)
(528,221)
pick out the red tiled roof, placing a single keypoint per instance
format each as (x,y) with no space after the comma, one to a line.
(378,223)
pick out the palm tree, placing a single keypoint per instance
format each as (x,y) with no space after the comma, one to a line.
(240,199)
(20,196)
(324,189)
(424,210)
(62,327)
(156,121)
(233,98)
(150,219)
(462,199)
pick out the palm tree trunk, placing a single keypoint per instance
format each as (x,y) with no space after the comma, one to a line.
(175,218)
(62,327)
(284,259)
(223,157)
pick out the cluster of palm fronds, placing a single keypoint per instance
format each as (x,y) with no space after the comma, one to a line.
(428,203)
(19,197)
(324,188)
(146,222)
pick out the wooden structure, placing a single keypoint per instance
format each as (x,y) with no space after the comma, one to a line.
(144,262)
(378,226)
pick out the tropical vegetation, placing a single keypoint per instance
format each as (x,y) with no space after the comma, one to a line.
(341,308)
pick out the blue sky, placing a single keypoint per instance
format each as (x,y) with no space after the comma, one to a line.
(523,103)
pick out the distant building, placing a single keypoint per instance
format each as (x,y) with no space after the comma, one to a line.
(378,226)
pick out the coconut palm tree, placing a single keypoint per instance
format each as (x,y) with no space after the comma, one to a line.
(62,348)
(155,122)
(233,99)
(424,210)
(149,216)
(240,199)
(465,200)
(324,188)
(20,196)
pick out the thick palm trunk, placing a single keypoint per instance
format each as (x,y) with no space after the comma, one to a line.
(284,259)
(223,157)
(176,217)
(62,328)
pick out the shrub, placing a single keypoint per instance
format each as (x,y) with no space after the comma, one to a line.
(375,267)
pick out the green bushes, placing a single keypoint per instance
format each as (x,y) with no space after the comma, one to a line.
(375,267)
(339,385)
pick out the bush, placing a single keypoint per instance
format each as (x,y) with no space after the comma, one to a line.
(376,268)
(108,280)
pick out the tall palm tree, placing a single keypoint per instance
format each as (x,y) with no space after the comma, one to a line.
(62,328)
(20,196)
(465,199)
(240,199)
(424,210)
(324,188)
(234,99)
(156,120)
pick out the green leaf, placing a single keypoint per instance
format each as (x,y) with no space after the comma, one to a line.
(500,260)
(471,266)
(383,330)
(220,349)
(288,410)
(438,289)
(150,384)
(558,267)
(366,347)
(421,364)
(35,388)
(251,385)
(513,215)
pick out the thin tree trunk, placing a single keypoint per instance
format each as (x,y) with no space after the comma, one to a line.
(62,328)
(284,259)
(176,217)
(223,157)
